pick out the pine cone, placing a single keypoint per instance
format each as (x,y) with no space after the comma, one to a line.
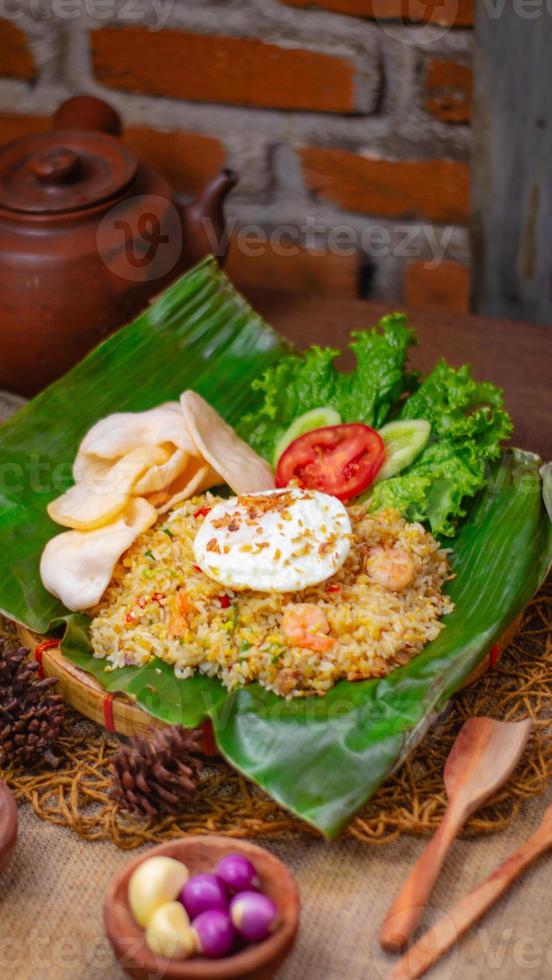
(156,775)
(31,715)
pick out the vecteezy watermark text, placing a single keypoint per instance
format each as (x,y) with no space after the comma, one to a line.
(153,16)
(376,240)
(39,475)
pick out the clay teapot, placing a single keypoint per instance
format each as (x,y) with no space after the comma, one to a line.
(88,236)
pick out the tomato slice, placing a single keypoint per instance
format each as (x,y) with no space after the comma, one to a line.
(341,460)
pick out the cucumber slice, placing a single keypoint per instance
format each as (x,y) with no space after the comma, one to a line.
(404,440)
(317,418)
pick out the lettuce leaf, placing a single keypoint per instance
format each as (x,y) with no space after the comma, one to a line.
(434,487)
(407,493)
(461,409)
(299,383)
(468,425)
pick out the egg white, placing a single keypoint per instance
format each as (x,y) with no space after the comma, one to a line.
(274,541)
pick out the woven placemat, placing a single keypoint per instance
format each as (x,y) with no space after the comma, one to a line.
(411,801)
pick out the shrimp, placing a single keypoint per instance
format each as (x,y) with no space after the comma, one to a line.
(178,623)
(391,568)
(306,625)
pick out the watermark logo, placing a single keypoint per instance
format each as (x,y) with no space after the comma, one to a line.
(417,15)
(141,240)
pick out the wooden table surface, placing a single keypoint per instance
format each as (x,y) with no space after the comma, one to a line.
(516,356)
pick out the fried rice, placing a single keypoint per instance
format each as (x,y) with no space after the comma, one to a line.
(160,604)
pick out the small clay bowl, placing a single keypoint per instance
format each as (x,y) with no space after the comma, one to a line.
(8,826)
(200,854)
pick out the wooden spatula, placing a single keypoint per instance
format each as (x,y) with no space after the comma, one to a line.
(468,910)
(481,759)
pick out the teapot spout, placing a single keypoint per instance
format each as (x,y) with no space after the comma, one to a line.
(204,221)
(212,197)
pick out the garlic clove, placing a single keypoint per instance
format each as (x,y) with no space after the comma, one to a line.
(169,932)
(155,882)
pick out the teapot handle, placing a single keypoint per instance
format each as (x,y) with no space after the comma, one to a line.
(88,113)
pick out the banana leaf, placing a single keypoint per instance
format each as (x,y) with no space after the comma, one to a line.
(322,758)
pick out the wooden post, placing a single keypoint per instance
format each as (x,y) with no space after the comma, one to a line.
(512,160)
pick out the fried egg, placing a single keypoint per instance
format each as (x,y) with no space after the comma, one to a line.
(274,541)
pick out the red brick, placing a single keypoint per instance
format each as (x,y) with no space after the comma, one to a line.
(445,289)
(449,90)
(230,70)
(187,160)
(14,127)
(437,190)
(449,13)
(16,60)
(300,271)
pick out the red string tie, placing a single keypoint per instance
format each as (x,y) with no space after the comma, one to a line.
(107,706)
(495,655)
(39,651)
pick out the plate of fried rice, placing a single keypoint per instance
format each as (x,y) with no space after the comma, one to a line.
(379,610)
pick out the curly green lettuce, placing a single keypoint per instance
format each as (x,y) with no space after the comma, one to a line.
(301,382)
(468,419)
(468,424)
(462,409)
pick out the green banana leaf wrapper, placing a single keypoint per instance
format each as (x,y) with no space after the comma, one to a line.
(322,758)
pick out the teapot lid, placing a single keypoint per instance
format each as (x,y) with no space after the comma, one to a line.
(63,170)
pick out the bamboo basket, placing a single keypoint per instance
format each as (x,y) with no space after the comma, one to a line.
(117,712)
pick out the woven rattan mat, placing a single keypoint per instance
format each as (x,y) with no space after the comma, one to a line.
(412,801)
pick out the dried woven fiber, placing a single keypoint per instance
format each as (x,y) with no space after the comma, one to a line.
(412,801)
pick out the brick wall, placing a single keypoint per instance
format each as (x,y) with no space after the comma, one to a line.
(347,124)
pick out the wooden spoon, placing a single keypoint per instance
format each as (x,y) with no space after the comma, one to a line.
(468,910)
(483,756)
